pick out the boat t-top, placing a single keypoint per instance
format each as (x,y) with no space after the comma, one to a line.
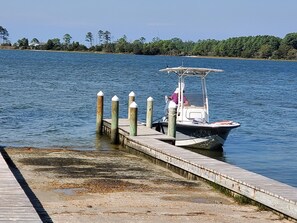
(192,120)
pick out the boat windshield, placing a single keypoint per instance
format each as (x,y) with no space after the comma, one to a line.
(193,91)
(195,99)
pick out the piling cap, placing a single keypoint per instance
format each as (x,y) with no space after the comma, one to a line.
(115,98)
(132,94)
(100,93)
(133,105)
(150,99)
(172,104)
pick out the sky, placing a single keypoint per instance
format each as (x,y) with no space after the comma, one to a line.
(186,19)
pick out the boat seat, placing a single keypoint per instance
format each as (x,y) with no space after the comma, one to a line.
(193,112)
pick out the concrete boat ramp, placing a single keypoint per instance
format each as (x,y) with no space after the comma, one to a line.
(157,147)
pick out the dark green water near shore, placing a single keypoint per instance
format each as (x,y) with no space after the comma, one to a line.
(48,99)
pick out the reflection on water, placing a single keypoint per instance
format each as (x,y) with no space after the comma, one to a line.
(102,144)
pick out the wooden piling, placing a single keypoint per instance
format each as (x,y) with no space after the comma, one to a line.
(133,119)
(114,136)
(149,112)
(172,119)
(131,99)
(99,118)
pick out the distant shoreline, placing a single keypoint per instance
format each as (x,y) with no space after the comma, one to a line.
(239,58)
(190,56)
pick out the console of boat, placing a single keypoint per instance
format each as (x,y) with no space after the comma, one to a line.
(192,120)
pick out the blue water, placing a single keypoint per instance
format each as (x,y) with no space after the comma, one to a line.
(48,99)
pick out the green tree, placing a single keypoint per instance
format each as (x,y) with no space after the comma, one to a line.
(75,46)
(100,36)
(23,43)
(67,38)
(265,51)
(107,37)
(281,52)
(156,39)
(57,44)
(108,47)
(122,45)
(187,48)
(89,38)
(49,45)
(292,54)
(142,40)
(205,47)
(53,44)
(137,45)
(174,46)
(291,40)
(4,34)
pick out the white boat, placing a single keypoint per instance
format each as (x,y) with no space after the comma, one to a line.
(192,120)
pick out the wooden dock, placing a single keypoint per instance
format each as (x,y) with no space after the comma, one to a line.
(15,206)
(271,193)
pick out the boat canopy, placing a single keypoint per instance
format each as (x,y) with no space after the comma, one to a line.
(190,71)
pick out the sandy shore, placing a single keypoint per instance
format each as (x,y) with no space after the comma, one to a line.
(114,186)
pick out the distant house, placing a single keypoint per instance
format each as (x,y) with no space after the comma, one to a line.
(34,44)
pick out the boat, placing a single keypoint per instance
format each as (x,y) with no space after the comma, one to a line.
(193,128)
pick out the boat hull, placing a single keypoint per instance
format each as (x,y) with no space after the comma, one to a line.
(200,136)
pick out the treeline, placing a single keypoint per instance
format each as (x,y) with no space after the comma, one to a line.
(266,47)
(262,46)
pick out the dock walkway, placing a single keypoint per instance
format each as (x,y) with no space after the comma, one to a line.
(15,206)
(271,193)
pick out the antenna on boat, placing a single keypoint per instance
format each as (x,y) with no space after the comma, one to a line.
(182,63)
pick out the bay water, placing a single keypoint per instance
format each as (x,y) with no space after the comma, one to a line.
(48,99)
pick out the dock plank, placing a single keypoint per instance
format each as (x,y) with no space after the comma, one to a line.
(271,193)
(15,206)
